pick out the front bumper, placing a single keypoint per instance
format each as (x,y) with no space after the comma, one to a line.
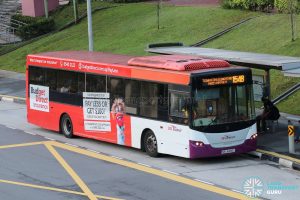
(208,151)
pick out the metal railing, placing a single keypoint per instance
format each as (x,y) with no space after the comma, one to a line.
(8,33)
(287,93)
(8,26)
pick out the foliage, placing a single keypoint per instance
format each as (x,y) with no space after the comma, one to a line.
(128,29)
(36,28)
(127,1)
(262,5)
(23,19)
(285,6)
(281,5)
(33,26)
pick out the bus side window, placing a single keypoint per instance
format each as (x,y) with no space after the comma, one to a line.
(179,107)
(81,83)
(36,76)
(132,91)
(95,83)
(67,82)
(163,102)
(51,79)
(117,89)
(148,99)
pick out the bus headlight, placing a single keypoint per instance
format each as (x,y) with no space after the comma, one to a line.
(254,136)
(197,143)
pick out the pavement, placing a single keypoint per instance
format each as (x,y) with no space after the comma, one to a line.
(274,144)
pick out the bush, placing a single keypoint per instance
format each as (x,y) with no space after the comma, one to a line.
(36,28)
(115,1)
(21,18)
(283,6)
(24,19)
(262,5)
(127,1)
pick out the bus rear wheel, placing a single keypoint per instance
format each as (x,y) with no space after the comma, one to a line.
(66,126)
(150,144)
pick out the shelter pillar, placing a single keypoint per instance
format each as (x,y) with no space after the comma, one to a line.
(267,84)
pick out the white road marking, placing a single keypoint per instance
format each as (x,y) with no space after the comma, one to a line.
(93,150)
(144,164)
(73,145)
(7,99)
(170,172)
(204,182)
(237,191)
(10,127)
(49,138)
(30,133)
(116,157)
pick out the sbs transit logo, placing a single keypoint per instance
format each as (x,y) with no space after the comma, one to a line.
(253,187)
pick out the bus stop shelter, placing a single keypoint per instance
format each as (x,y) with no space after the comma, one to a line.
(290,66)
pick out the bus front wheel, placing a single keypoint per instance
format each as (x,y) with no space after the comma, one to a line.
(66,126)
(150,144)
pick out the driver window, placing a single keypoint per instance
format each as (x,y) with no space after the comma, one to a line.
(179,105)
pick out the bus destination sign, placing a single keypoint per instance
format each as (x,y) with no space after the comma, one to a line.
(223,80)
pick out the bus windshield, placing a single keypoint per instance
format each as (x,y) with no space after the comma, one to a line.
(222,104)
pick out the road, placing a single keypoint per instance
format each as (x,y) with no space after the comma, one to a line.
(228,173)
(12,83)
(37,167)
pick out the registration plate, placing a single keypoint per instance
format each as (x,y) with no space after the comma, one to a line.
(227,151)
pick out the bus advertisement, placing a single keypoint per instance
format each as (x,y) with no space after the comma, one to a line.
(184,106)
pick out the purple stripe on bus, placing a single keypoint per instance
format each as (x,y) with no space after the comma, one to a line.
(208,151)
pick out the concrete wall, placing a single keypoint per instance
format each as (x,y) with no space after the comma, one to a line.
(35,8)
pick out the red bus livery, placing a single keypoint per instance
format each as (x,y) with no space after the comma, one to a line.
(172,104)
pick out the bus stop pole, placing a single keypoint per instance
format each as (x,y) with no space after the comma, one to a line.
(46,8)
(268,84)
(75,8)
(90,28)
(291,135)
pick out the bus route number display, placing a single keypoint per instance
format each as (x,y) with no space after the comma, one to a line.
(96,111)
(223,80)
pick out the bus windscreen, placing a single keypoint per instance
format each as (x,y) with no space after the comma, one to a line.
(221,105)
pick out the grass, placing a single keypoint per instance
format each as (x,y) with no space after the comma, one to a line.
(65,14)
(62,16)
(291,105)
(129,28)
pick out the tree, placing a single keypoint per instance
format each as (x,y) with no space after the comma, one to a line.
(46,8)
(158,13)
(292,7)
(75,8)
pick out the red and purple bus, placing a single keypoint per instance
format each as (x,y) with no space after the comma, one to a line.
(185,106)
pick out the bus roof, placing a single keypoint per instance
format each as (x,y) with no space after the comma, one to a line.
(130,66)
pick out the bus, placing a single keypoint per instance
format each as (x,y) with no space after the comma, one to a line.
(185,106)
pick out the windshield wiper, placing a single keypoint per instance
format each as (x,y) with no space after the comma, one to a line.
(211,123)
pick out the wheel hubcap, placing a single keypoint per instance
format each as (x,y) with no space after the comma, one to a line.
(67,126)
(151,143)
